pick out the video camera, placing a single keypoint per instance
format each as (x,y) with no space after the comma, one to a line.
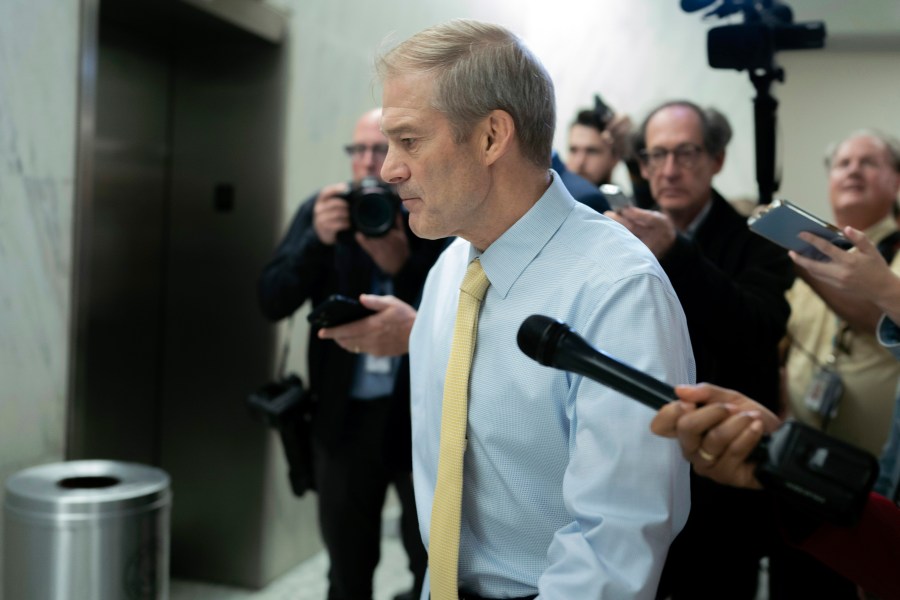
(767,28)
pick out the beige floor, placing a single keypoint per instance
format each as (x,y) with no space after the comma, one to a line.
(307,580)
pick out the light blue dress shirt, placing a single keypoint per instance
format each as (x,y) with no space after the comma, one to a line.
(889,465)
(566,492)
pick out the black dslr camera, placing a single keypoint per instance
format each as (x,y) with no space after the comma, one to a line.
(373,207)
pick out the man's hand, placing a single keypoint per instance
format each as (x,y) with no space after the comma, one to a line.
(386,333)
(718,436)
(862,272)
(652,227)
(857,284)
(391,251)
(331,213)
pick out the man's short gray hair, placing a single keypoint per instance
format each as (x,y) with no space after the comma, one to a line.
(891,144)
(480,67)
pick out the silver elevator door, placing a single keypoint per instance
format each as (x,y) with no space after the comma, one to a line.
(186,207)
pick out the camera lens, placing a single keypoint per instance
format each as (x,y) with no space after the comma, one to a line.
(373,208)
(374,214)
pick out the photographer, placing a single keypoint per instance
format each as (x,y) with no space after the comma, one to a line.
(361,429)
(717,438)
(599,139)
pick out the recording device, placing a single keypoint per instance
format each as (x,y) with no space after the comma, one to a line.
(768,27)
(803,466)
(285,405)
(781,221)
(337,310)
(373,207)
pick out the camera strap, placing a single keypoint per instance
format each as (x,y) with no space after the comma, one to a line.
(286,349)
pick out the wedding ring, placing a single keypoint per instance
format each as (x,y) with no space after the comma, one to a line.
(706,455)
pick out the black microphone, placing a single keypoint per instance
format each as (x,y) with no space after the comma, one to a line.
(554,344)
(807,468)
(690,6)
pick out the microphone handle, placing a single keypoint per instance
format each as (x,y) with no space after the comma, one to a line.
(574,354)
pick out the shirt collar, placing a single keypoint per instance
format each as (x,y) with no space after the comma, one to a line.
(881,229)
(505,259)
(694,225)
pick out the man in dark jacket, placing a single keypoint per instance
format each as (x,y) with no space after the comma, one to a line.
(361,429)
(731,284)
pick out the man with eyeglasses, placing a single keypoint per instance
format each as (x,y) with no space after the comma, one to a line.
(361,430)
(731,284)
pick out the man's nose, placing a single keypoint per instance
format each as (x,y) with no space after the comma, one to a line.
(576,159)
(854,167)
(368,157)
(669,167)
(393,171)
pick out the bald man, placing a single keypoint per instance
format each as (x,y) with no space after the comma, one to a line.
(361,431)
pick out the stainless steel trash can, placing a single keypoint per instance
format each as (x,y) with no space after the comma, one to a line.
(89,529)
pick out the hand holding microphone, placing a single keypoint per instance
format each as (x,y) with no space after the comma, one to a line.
(805,467)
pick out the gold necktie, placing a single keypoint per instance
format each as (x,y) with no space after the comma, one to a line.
(443,546)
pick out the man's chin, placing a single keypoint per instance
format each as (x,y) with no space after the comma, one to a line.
(674,202)
(422,229)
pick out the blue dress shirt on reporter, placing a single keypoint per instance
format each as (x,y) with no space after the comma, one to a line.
(566,492)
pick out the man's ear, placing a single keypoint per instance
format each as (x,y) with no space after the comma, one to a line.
(896,184)
(718,161)
(497,135)
(643,167)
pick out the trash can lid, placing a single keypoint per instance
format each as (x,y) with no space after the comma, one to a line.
(86,486)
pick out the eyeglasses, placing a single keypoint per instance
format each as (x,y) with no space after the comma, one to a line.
(359,150)
(686,156)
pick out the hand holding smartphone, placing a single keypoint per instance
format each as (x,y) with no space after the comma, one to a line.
(781,221)
(337,310)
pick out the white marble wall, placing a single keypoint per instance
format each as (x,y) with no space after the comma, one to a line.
(38,79)
(38,54)
(635,53)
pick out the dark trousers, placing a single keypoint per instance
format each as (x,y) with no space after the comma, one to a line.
(352,483)
(795,574)
(717,553)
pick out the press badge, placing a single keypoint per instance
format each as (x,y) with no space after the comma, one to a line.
(378,365)
(824,392)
